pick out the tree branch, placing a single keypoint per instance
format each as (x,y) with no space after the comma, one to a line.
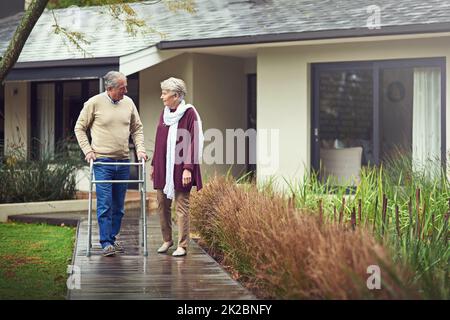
(21,35)
(117,9)
(74,38)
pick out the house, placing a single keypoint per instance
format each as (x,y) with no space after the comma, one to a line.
(308,75)
(10,15)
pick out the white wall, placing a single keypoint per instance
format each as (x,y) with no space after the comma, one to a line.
(216,87)
(284,88)
(219,96)
(282,105)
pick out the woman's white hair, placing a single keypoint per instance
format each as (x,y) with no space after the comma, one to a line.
(175,85)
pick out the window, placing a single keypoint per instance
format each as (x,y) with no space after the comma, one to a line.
(71,96)
(133,88)
(381,108)
(54,112)
(346,110)
(55,107)
(43,138)
(410,108)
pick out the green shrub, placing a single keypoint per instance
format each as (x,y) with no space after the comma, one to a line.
(49,178)
(413,222)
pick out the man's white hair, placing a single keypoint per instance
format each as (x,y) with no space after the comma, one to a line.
(112,78)
(175,85)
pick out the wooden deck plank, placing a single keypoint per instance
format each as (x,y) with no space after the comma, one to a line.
(130,275)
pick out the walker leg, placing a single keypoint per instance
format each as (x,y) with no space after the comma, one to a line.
(89,235)
(143,209)
(141,217)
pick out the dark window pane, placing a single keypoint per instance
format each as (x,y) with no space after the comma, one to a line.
(133,88)
(93,88)
(72,105)
(346,110)
(396,111)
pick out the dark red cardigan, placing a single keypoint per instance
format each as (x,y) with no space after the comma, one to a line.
(187,122)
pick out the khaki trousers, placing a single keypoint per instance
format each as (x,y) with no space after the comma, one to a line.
(165,216)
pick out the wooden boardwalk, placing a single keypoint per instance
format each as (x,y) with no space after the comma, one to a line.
(130,275)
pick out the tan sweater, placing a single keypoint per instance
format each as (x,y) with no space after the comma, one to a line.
(110,125)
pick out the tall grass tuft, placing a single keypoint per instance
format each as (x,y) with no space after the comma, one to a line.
(289,253)
(405,209)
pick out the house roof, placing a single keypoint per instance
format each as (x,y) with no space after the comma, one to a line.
(7,27)
(221,22)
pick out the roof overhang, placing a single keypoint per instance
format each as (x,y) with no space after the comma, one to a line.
(72,69)
(143,59)
(89,68)
(306,36)
(94,68)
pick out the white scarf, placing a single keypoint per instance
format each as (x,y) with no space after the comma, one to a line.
(171,119)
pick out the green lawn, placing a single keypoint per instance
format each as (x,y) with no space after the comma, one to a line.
(33,260)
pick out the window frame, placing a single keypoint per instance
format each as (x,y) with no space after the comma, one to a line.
(375,66)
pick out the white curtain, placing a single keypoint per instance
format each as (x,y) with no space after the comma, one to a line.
(426,144)
(46,118)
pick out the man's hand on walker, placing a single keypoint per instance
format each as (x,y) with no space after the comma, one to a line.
(142,155)
(187,177)
(90,156)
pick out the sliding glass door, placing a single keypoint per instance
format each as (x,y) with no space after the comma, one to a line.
(368,112)
(396,98)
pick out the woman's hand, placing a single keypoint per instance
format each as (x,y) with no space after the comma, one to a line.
(187,177)
(152,173)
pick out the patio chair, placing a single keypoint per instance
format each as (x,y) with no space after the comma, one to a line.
(341,167)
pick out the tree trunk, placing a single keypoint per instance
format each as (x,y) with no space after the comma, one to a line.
(21,35)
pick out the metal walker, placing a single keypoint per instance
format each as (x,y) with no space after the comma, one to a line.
(142,189)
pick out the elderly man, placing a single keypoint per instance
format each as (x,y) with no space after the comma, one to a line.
(111,117)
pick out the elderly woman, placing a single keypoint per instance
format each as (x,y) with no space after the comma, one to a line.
(175,164)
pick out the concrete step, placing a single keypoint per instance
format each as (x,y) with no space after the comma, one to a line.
(64,218)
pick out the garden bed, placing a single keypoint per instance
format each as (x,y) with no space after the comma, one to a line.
(316,246)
